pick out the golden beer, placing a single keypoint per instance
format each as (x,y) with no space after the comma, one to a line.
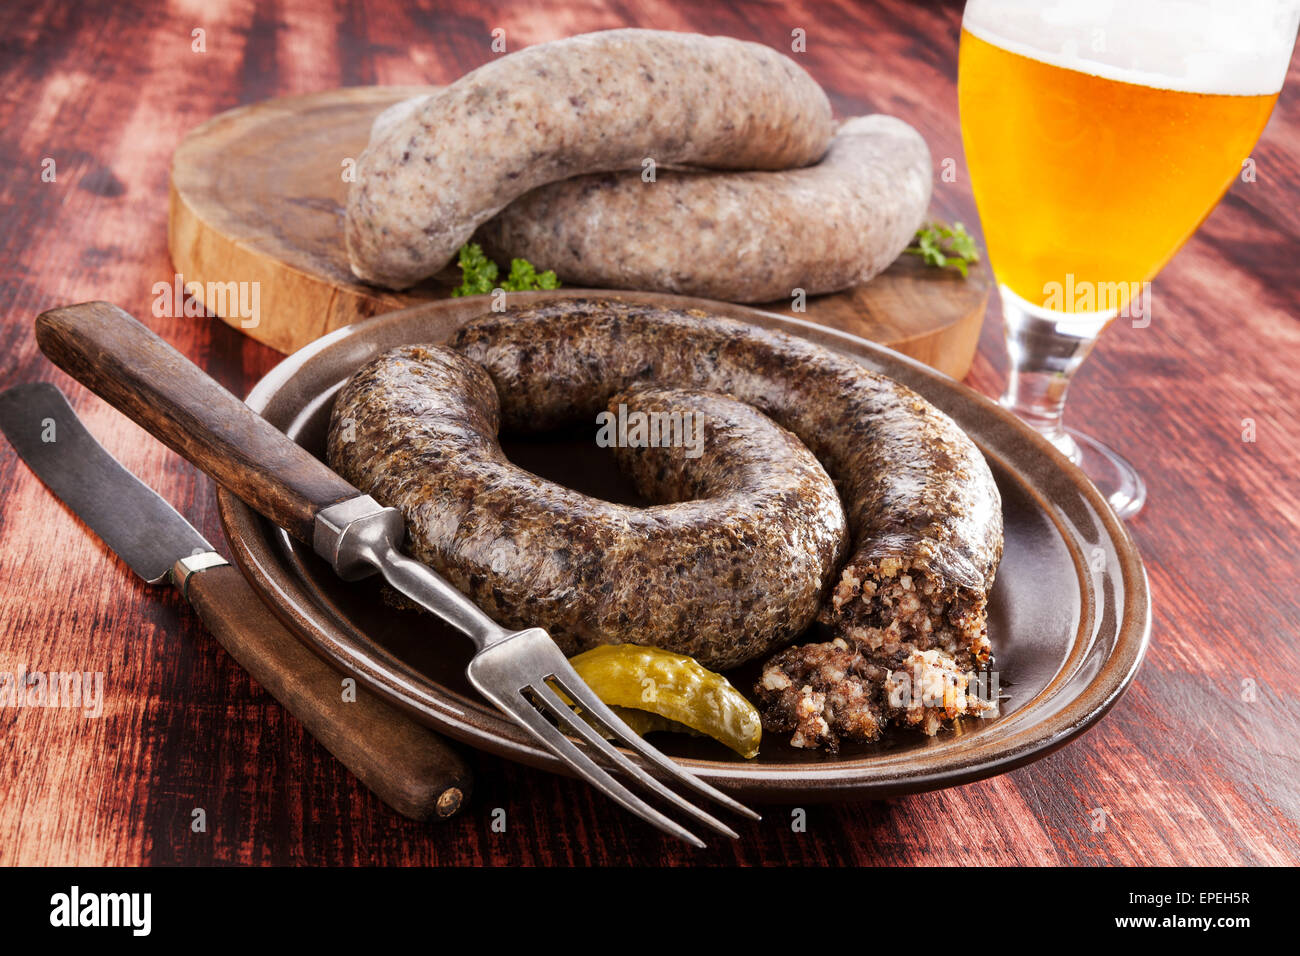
(1087,182)
(1098,136)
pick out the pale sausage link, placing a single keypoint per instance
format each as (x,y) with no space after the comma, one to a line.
(590,103)
(736,236)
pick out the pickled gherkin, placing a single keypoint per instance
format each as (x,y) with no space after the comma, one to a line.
(673,687)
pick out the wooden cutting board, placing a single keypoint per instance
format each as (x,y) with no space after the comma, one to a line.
(257,196)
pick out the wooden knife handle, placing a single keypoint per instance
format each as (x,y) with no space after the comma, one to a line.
(406,765)
(142,376)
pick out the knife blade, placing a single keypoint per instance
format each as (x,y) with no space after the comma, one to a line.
(404,763)
(141,528)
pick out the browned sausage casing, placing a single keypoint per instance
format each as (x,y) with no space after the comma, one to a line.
(735,565)
(922,506)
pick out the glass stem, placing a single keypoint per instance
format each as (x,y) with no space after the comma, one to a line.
(1045,351)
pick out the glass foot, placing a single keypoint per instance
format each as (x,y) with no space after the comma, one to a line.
(1110,471)
(1046,348)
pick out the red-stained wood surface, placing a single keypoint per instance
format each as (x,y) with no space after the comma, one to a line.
(1197,764)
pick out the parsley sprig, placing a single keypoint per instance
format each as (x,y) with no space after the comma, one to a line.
(479,274)
(945,246)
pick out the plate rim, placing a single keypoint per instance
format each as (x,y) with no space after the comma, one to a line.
(250,538)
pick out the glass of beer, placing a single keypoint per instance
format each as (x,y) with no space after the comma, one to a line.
(1099,135)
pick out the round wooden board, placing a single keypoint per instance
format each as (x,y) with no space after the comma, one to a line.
(257,195)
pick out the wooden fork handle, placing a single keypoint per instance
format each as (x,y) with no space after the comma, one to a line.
(143,377)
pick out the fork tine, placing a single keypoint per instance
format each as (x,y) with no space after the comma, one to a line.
(576,724)
(577,689)
(524,711)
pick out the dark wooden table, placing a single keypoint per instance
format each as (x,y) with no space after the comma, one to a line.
(1197,764)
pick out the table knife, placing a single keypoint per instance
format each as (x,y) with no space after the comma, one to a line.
(404,763)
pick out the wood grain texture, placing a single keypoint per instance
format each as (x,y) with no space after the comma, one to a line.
(257,195)
(404,763)
(1198,763)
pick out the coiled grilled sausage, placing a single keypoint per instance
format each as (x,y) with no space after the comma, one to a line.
(923,509)
(734,564)
(739,236)
(590,103)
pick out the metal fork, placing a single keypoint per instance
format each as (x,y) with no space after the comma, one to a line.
(518,671)
(121,360)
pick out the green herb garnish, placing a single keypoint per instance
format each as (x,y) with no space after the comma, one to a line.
(524,276)
(479,274)
(945,246)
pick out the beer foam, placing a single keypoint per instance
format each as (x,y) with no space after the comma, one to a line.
(1236,47)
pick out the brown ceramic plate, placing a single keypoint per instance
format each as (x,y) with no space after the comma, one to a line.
(1069,615)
